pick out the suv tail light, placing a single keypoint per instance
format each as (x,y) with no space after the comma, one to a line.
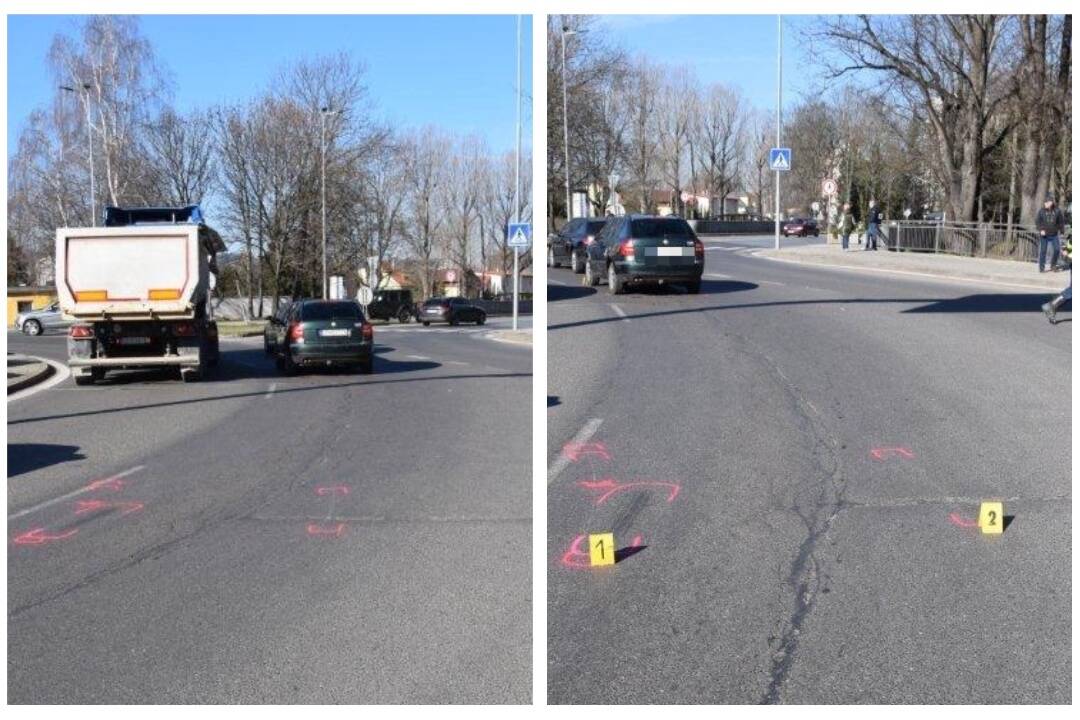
(699,249)
(367,332)
(296,332)
(184,329)
(81,332)
(626,248)
(589,239)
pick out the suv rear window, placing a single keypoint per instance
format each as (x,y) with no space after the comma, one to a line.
(330,310)
(660,227)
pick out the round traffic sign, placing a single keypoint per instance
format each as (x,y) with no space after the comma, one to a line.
(828,187)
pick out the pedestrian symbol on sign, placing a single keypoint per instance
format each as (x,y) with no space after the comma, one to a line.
(518,235)
(780,159)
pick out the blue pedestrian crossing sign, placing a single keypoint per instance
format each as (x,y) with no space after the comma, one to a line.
(518,234)
(780,159)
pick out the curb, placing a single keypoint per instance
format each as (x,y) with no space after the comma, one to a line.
(44,374)
(493,336)
(912,273)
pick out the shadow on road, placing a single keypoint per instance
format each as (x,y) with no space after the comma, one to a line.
(553,400)
(568,292)
(987,303)
(27,457)
(971,304)
(369,380)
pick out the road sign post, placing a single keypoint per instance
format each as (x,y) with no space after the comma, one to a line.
(517,237)
(779,161)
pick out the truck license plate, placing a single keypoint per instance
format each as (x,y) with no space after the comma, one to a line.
(134,340)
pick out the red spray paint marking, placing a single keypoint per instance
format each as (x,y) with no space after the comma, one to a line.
(336,530)
(608,487)
(886,452)
(38,536)
(85,506)
(958,521)
(332,490)
(107,484)
(577,558)
(574,451)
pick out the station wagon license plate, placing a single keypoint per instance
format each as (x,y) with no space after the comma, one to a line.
(341,332)
(675,252)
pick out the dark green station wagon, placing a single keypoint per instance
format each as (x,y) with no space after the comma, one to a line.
(321,332)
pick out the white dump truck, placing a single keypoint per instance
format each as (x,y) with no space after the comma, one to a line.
(139,292)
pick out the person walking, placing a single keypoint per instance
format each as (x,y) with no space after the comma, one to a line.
(1050,222)
(873,221)
(1050,309)
(847,224)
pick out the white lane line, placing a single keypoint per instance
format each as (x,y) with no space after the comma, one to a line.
(270,391)
(771,282)
(620,312)
(418,357)
(60,374)
(454,362)
(74,493)
(560,461)
(719,276)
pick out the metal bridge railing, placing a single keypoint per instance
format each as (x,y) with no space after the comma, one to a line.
(982,240)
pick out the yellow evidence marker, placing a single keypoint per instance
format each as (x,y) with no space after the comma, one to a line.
(991,518)
(602,549)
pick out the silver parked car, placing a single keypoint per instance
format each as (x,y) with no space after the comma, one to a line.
(35,322)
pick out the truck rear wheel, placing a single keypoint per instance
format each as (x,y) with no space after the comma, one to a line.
(84,380)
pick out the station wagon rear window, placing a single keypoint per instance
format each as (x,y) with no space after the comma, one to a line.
(660,228)
(331,310)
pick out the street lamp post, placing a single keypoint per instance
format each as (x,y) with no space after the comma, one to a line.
(323,112)
(517,172)
(89,147)
(566,121)
(779,87)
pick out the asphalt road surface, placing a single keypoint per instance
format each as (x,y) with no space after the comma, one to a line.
(326,538)
(792,464)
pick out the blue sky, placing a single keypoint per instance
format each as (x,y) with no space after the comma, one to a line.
(738,50)
(457,72)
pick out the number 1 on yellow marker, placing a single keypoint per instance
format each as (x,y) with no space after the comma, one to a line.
(991,518)
(602,549)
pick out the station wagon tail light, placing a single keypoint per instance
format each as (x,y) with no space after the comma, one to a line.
(699,248)
(296,332)
(81,332)
(367,331)
(589,239)
(184,329)
(626,248)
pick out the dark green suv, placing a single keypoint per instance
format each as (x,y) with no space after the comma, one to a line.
(392,304)
(321,332)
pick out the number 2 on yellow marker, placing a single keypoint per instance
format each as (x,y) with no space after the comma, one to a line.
(602,549)
(990,518)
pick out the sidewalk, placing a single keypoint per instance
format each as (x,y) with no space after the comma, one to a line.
(1001,272)
(23,371)
(515,337)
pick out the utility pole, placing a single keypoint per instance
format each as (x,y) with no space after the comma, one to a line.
(566,121)
(517,171)
(779,87)
(323,112)
(89,148)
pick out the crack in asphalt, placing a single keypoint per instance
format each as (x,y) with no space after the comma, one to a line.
(805,578)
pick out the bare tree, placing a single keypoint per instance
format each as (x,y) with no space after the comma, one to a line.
(425,155)
(182,156)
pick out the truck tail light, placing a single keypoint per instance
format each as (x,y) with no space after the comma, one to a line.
(296,332)
(367,331)
(184,329)
(626,248)
(81,332)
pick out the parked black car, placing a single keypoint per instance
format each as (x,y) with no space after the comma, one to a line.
(396,304)
(801,227)
(568,245)
(452,311)
(646,249)
(321,332)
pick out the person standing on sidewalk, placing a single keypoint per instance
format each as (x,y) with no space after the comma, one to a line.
(873,221)
(1050,222)
(847,224)
(1051,308)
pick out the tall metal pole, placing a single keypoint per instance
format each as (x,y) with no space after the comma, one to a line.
(517,170)
(779,87)
(90,154)
(566,125)
(322,117)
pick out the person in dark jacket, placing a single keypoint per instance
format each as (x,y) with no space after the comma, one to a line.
(1050,222)
(847,224)
(1051,308)
(873,222)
